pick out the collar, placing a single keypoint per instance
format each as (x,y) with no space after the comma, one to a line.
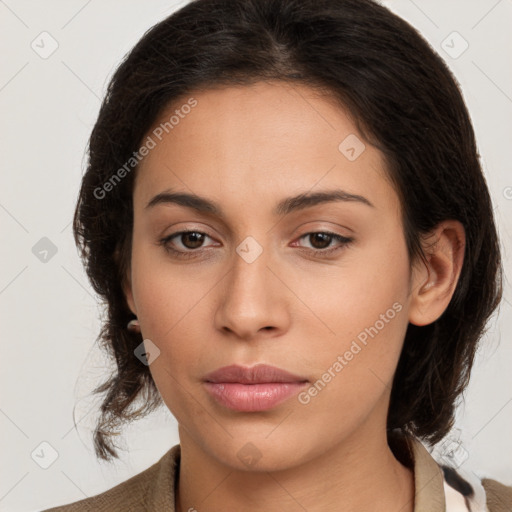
(428,478)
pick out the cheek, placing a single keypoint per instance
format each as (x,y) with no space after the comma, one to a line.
(353,373)
(365,291)
(162,295)
(168,306)
(173,310)
(364,304)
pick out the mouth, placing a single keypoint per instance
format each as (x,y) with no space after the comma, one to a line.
(251,389)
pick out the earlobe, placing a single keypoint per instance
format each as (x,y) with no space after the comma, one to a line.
(434,284)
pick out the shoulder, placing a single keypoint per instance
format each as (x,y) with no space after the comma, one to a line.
(152,489)
(499,496)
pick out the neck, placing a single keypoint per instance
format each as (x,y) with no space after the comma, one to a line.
(361,473)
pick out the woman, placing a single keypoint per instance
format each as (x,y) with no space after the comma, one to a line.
(286,215)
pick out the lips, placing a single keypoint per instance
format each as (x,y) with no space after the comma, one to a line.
(257,388)
(258,374)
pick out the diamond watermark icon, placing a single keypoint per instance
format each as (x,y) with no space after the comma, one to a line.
(351,147)
(249,250)
(454,45)
(249,454)
(45,45)
(44,250)
(453,453)
(44,455)
(147,352)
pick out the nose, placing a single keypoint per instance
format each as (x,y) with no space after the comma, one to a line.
(253,301)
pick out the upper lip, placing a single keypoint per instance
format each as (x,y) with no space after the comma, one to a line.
(257,374)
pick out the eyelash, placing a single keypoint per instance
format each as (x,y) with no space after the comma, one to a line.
(344,241)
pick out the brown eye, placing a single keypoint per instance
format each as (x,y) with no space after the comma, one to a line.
(185,243)
(192,239)
(320,240)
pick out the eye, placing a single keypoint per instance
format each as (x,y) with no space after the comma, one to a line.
(190,241)
(321,242)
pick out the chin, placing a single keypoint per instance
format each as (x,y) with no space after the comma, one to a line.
(258,454)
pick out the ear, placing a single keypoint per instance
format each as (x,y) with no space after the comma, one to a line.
(128,292)
(126,281)
(433,285)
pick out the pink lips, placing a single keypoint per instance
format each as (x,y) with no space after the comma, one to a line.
(257,388)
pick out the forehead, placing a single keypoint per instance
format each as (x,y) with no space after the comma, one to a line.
(256,140)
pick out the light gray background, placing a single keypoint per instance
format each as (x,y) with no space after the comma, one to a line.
(50,317)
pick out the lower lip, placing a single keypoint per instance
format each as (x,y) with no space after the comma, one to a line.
(253,397)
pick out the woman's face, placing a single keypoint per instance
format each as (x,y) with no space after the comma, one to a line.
(247,288)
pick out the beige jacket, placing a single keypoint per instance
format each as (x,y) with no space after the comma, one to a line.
(153,490)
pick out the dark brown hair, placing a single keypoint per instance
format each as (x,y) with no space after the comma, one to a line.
(405,102)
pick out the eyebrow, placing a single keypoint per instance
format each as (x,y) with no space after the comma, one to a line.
(284,207)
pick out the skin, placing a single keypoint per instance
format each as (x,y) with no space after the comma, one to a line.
(247,148)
